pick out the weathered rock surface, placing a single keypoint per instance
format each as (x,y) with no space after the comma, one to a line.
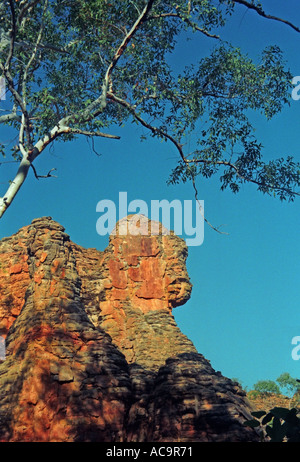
(93,352)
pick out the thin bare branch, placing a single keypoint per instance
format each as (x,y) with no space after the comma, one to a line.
(187,20)
(59,130)
(8,162)
(154,130)
(43,46)
(217,229)
(78,131)
(261,12)
(49,175)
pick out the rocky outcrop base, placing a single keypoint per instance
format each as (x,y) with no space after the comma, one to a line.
(93,352)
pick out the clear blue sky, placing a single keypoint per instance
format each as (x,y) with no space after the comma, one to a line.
(244,309)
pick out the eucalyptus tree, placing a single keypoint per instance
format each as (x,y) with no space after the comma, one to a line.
(83,67)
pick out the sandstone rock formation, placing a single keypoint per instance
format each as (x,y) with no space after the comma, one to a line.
(93,352)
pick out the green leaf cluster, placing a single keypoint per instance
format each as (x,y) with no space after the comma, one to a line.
(265,387)
(286,385)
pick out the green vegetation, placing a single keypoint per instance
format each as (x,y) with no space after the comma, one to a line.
(278,424)
(286,385)
(266,387)
(289,385)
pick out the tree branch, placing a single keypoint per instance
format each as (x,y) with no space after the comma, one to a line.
(8,162)
(25,118)
(15,185)
(11,116)
(261,12)
(201,211)
(17,97)
(99,104)
(161,133)
(29,156)
(12,34)
(78,131)
(33,55)
(238,173)
(187,20)
(127,39)
(26,7)
(154,130)
(43,176)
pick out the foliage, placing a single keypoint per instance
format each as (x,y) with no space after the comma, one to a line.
(267,387)
(253,394)
(285,385)
(81,67)
(288,384)
(277,425)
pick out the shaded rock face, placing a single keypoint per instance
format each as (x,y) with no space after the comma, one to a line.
(93,352)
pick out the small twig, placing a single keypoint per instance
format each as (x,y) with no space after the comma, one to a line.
(9,162)
(201,209)
(43,176)
(187,20)
(265,15)
(78,131)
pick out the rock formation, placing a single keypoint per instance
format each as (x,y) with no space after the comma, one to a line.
(93,352)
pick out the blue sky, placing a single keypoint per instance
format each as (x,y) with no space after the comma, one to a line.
(244,309)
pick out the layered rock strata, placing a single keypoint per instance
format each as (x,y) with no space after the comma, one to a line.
(93,352)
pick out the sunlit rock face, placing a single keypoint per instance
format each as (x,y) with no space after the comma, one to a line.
(93,352)
(143,276)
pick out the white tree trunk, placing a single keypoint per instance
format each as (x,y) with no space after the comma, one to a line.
(15,185)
